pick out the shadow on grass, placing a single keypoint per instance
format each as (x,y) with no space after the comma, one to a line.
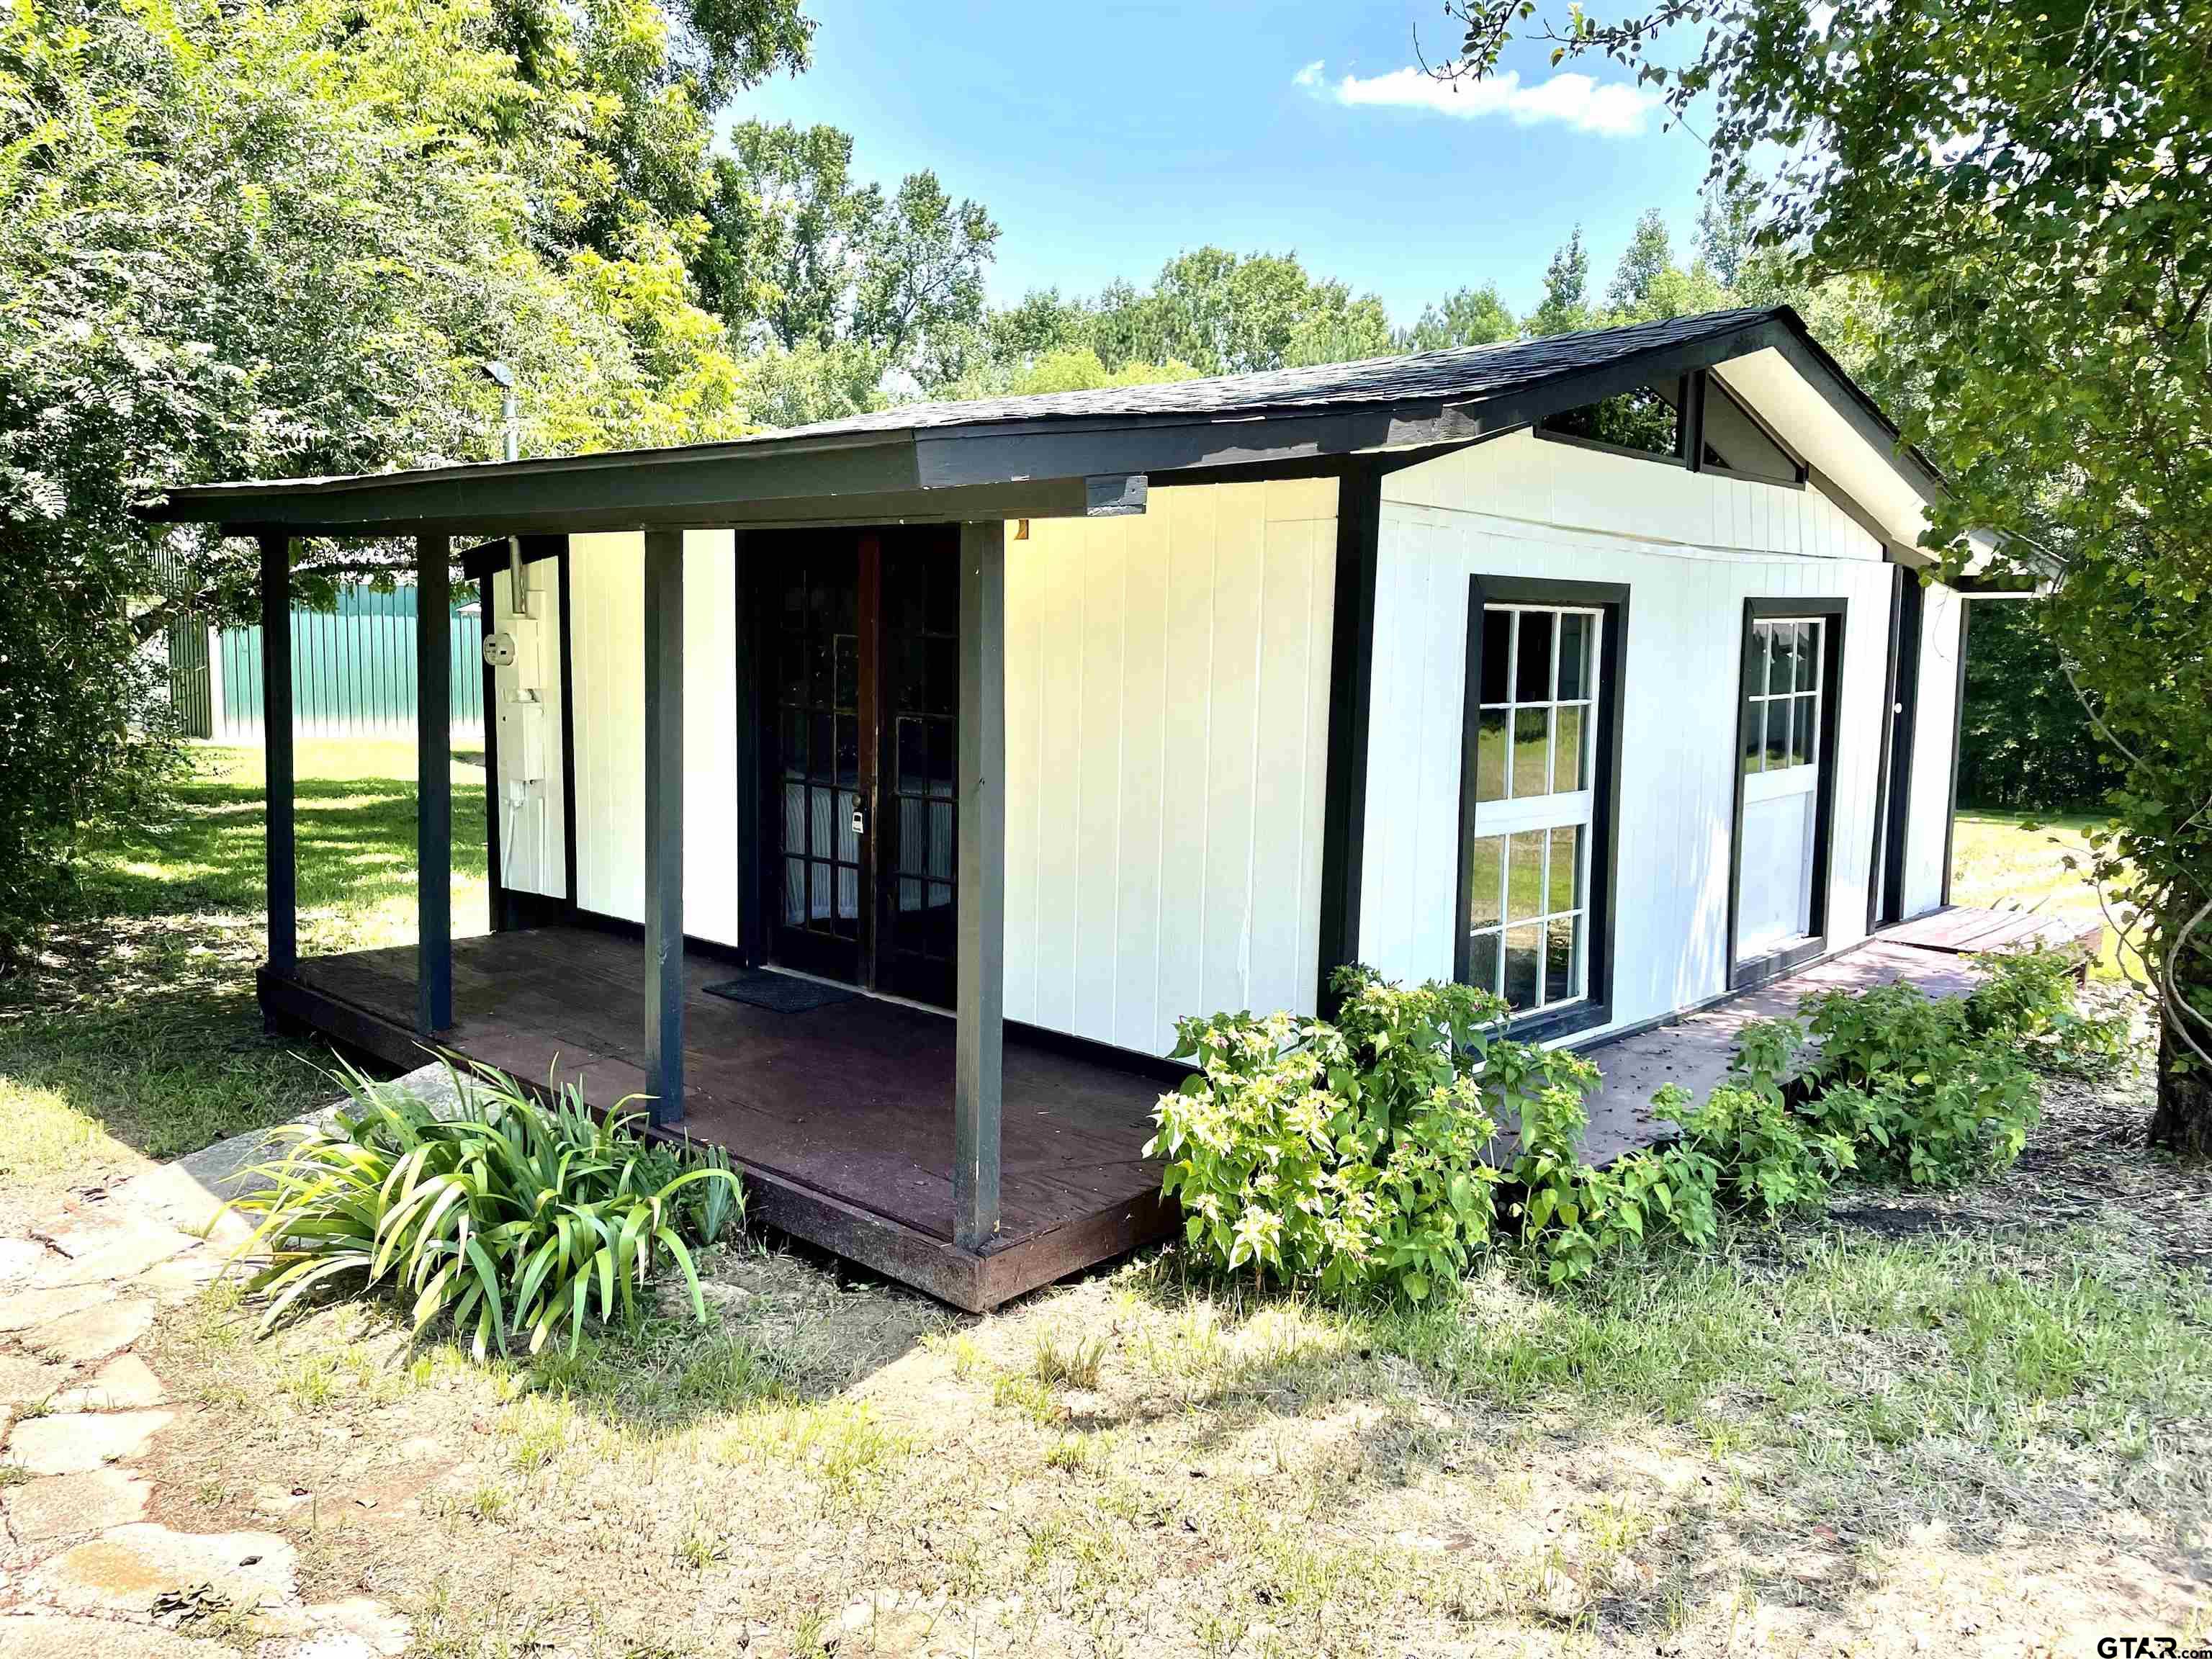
(137,1020)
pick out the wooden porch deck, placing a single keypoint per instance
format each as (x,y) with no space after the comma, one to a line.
(841,1115)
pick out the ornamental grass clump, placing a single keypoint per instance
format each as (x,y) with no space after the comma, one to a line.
(511,1216)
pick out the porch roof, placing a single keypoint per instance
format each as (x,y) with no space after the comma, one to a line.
(1057,454)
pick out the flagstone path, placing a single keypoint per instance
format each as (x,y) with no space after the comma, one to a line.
(83,1572)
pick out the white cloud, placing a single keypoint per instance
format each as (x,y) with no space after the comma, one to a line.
(1609,107)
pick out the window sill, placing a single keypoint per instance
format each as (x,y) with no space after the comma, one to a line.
(1548,1024)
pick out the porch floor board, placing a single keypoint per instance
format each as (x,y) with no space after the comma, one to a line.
(843,1115)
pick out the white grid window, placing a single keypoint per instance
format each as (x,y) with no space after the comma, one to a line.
(1527,893)
(1782,719)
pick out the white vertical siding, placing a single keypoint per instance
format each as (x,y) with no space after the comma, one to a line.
(1472,512)
(1934,733)
(532,829)
(606,583)
(1167,683)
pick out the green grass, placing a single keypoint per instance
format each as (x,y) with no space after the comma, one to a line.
(1998,860)
(135,1030)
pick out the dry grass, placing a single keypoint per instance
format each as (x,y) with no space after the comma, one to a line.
(1984,1428)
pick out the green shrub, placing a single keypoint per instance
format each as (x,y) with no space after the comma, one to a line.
(2027,997)
(1346,1155)
(1927,1098)
(508,1216)
(1766,1158)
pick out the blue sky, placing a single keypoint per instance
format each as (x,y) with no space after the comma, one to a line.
(1106,138)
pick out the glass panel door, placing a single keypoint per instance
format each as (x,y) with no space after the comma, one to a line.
(1784,663)
(813,859)
(917,848)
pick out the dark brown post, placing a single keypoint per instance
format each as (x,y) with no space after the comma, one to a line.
(664,823)
(277,754)
(980,975)
(434,785)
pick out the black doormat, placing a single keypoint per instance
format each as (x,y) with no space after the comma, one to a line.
(778,993)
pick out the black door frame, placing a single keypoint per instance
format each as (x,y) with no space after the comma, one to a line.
(1901,717)
(1743,975)
(759,797)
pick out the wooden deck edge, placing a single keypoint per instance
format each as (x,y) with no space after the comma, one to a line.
(968,1280)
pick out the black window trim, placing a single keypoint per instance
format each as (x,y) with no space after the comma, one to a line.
(1743,975)
(1595,1008)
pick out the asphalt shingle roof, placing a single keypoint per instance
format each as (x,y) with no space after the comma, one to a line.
(1463,373)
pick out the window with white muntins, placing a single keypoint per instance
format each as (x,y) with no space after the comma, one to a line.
(1527,903)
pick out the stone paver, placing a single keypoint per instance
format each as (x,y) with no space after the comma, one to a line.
(21,1311)
(128,1251)
(25,1381)
(124,1383)
(82,1440)
(93,1333)
(19,1259)
(44,1636)
(74,1297)
(128,1569)
(63,1504)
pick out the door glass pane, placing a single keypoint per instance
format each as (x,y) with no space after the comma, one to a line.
(1754,736)
(1485,882)
(1531,753)
(1574,656)
(1566,878)
(1801,729)
(1782,675)
(1570,756)
(1496,655)
(1560,939)
(1524,949)
(1811,643)
(819,895)
(1524,876)
(794,892)
(1762,649)
(1489,755)
(1482,962)
(1532,672)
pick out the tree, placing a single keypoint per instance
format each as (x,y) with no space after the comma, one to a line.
(1471,316)
(1649,255)
(2028,190)
(1566,305)
(1231,314)
(2025,743)
(252,238)
(797,253)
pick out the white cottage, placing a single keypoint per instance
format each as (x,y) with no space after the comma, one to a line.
(1595,670)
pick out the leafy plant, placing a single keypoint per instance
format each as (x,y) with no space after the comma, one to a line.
(508,1216)
(1345,1155)
(2028,997)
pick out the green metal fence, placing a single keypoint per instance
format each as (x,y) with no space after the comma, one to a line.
(353,672)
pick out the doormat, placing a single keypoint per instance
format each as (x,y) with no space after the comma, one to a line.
(780,993)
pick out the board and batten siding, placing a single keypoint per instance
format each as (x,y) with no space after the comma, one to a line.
(606,595)
(1691,548)
(1935,734)
(1167,717)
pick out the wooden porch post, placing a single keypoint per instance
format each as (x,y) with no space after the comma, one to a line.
(664,823)
(277,738)
(434,785)
(980,975)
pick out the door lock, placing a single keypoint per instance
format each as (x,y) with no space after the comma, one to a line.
(860,819)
